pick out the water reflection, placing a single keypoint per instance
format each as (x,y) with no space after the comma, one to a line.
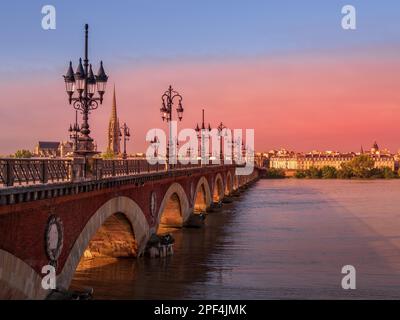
(281,239)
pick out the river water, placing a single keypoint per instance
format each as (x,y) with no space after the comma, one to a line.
(282,239)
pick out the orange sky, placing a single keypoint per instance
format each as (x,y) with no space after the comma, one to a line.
(322,101)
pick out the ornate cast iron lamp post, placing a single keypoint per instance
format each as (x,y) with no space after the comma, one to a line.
(236,146)
(169,99)
(85,83)
(125,133)
(201,136)
(220,128)
(155,143)
(74,131)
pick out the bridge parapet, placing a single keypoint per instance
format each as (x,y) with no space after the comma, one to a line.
(104,174)
(24,180)
(34,171)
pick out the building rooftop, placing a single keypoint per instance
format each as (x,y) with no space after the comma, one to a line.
(48,145)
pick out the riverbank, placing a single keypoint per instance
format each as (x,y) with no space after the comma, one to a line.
(332,173)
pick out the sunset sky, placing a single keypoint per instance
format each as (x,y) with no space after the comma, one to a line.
(285,68)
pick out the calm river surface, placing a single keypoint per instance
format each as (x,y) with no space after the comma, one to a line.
(282,239)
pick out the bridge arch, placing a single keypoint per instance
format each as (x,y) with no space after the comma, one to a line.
(202,196)
(18,280)
(118,205)
(218,188)
(174,208)
(228,184)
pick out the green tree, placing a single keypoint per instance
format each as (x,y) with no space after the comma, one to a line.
(329,172)
(346,172)
(23,154)
(274,173)
(108,155)
(362,166)
(388,173)
(300,174)
(376,173)
(314,173)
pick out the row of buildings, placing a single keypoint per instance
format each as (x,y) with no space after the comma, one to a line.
(290,160)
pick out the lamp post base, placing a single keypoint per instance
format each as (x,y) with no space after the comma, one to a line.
(85,153)
(85,148)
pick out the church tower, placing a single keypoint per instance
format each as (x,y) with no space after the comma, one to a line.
(113,129)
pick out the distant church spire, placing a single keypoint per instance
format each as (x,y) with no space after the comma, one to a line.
(113,129)
(362,150)
(114,107)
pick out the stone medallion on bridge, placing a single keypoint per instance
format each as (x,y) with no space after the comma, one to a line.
(54,239)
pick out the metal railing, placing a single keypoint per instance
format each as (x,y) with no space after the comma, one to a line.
(117,168)
(34,171)
(14,172)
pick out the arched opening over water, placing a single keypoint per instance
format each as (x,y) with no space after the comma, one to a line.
(202,197)
(200,204)
(121,224)
(174,209)
(171,216)
(218,193)
(114,239)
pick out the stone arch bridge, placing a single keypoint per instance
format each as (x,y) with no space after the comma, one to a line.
(57,211)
